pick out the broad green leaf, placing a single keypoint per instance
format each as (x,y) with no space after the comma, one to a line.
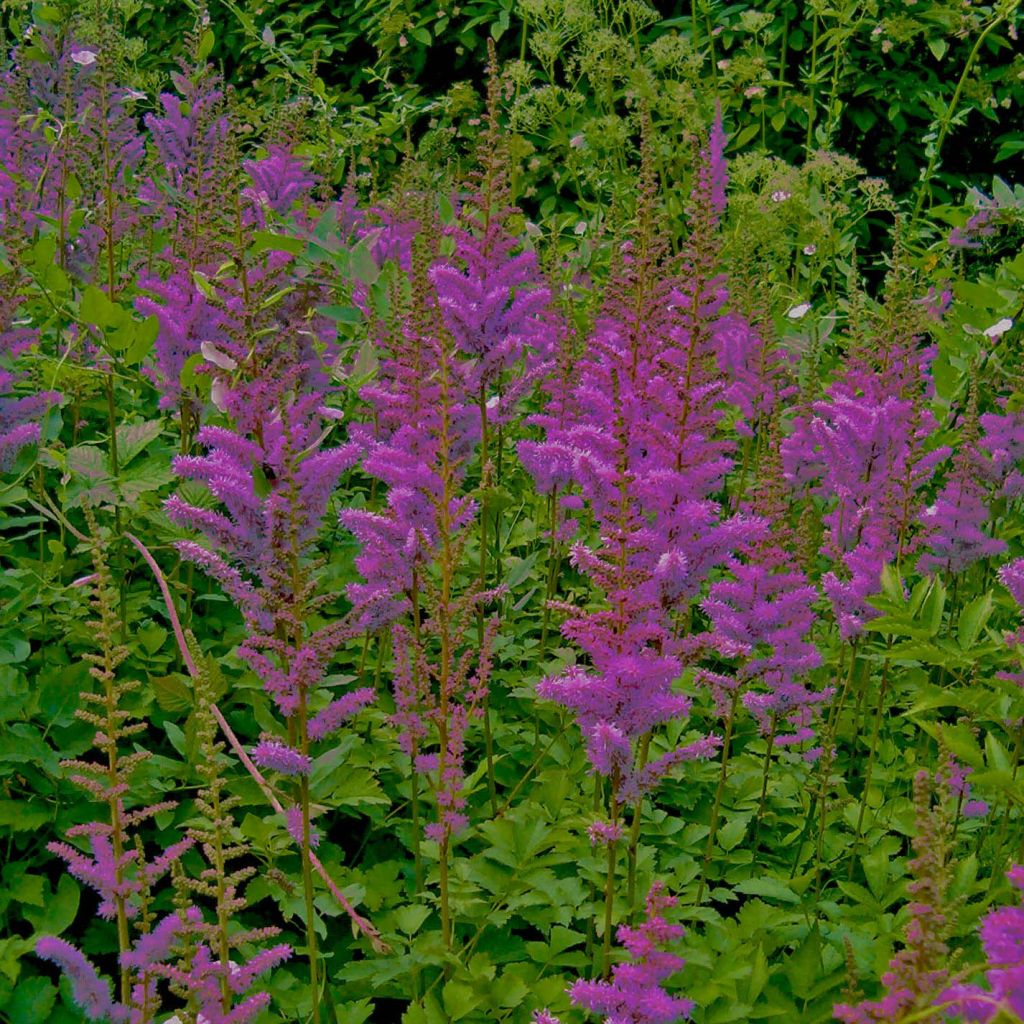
(767,887)
(972,620)
(58,911)
(132,438)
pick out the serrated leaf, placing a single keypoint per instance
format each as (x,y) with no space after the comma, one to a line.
(730,834)
(20,816)
(172,692)
(273,241)
(972,620)
(804,966)
(410,918)
(769,888)
(132,438)
(59,910)
(32,1001)
(88,461)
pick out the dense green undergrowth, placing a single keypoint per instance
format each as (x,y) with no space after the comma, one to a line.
(331,299)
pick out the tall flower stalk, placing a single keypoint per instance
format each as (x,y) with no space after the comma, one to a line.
(275,487)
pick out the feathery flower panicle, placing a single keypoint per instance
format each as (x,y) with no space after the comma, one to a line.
(116,867)
(274,490)
(1002,938)
(634,994)
(217,990)
(645,460)
(763,615)
(864,449)
(281,758)
(20,412)
(491,295)
(1011,575)
(955,535)
(90,992)
(1002,438)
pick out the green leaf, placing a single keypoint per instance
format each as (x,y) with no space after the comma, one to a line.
(362,264)
(938,46)
(58,912)
(972,620)
(32,1001)
(769,888)
(804,966)
(459,999)
(14,650)
(731,833)
(410,918)
(272,241)
(19,816)
(132,438)
(205,47)
(96,308)
(172,693)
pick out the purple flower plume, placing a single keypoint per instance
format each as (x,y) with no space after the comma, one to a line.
(280,757)
(634,994)
(90,992)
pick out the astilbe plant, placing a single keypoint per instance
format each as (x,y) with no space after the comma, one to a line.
(646,461)
(274,485)
(234,308)
(920,971)
(1002,938)
(955,524)
(115,866)
(494,302)
(760,617)
(634,993)
(211,978)
(426,424)
(864,450)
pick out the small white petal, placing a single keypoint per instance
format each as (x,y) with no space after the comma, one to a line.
(212,354)
(218,391)
(797,312)
(84,57)
(997,330)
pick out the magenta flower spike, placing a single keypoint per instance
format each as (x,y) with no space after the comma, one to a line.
(634,994)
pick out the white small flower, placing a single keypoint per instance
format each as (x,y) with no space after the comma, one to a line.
(931,510)
(212,354)
(779,196)
(580,228)
(997,330)
(492,402)
(798,312)
(84,57)
(134,94)
(577,142)
(810,250)
(268,36)
(218,394)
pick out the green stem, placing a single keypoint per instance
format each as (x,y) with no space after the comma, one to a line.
(307,870)
(492,789)
(719,793)
(634,830)
(876,729)
(923,190)
(764,782)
